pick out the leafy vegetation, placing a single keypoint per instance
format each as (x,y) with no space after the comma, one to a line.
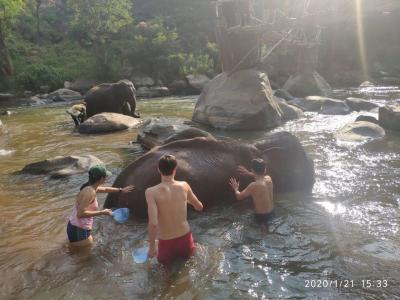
(46,42)
(9,10)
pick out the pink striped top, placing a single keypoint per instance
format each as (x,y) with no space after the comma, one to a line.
(85,223)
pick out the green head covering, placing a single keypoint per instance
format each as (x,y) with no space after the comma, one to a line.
(97,172)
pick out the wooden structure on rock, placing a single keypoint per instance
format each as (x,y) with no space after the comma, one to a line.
(245,27)
(249,30)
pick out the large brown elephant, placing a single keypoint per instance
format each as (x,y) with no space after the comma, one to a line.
(119,97)
(207,165)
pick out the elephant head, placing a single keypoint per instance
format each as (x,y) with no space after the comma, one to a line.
(287,163)
(125,91)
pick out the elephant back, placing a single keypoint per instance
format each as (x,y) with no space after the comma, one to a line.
(101,88)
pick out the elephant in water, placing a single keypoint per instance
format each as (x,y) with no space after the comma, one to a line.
(207,164)
(119,97)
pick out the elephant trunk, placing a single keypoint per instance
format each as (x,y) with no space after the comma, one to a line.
(132,103)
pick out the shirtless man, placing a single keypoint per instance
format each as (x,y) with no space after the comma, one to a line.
(261,191)
(167,212)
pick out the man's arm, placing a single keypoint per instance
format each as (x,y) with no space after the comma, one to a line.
(240,195)
(192,199)
(153,222)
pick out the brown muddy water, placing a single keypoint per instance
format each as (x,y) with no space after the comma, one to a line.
(340,242)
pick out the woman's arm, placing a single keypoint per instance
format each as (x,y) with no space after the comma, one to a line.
(84,199)
(109,189)
(90,213)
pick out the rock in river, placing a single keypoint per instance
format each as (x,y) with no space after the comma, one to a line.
(108,122)
(159,131)
(62,166)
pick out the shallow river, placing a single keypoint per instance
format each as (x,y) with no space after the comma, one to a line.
(345,233)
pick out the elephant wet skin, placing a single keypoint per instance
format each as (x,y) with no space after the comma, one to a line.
(117,97)
(207,165)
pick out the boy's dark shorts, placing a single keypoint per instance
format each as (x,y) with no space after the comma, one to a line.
(264,218)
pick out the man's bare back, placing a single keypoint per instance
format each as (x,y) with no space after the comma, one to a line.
(171,199)
(167,212)
(261,190)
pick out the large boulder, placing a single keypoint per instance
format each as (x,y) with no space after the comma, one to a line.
(152,92)
(159,131)
(142,80)
(6,96)
(62,166)
(65,95)
(241,101)
(180,86)
(334,107)
(307,83)
(310,103)
(28,94)
(389,117)
(357,104)
(197,81)
(367,119)
(36,100)
(360,131)
(280,93)
(108,122)
(6,113)
(390,80)
(289,112)
(366,84)
(44,89)
(321,104)
(81,85)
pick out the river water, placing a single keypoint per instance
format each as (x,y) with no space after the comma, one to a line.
(345,233)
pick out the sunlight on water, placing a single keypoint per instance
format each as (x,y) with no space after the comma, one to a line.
(333,208)
(4,152)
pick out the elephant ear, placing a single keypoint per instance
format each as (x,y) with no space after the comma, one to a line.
(120,85)
(120,89)
(127,83)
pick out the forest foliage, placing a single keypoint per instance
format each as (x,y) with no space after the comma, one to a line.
(47,42)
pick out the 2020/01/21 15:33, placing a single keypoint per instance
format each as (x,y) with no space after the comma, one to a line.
(345,283)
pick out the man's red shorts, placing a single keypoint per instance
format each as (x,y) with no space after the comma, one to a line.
(182,246)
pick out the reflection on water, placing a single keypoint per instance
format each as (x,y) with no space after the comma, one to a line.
(348,229)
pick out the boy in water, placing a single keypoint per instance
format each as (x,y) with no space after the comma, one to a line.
(167,211)
(78,113)
(261,191)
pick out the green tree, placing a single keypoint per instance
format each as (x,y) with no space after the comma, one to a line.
(9,10)
(193,19)
(150,48)
(95,22)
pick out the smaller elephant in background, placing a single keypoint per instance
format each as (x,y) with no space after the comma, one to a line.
(119,97)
